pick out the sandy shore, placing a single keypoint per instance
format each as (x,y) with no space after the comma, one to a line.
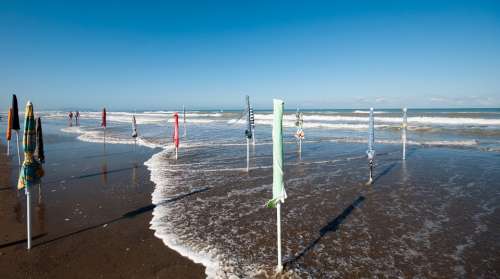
(88,222)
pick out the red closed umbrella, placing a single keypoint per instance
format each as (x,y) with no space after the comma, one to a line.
(103,122)
(176,133)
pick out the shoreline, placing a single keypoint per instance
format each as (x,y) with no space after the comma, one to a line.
(116,242)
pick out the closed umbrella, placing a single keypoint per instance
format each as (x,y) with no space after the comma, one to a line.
(40,155)
(134,130)
(103,123)
(15,125)
(8,135)
(279,193)
(39,152)
(176,133)
(299,123)
(371,142)
(252,124)
(31,170)
(248,131)
(15,114)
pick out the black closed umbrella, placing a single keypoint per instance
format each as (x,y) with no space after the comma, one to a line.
(15,124)
(15,114)
(39,153)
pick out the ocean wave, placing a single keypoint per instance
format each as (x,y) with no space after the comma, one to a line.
(367,112)
(96,135)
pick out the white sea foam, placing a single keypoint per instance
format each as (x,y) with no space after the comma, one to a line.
(96,135)
(367,112)
(156,165)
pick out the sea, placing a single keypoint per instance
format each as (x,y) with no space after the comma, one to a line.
(435,214)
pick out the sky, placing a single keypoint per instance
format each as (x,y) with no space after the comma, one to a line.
(129,55)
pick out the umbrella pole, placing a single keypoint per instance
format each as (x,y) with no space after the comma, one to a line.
(176,153)
(18,153)
(40,192)
(8,148)
(248,154)
(370,181)
(404,143)
(104,135)
(28,216)
(253,137)
(404,150)
(279,267)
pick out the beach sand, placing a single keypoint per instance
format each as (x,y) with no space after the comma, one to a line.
(91,220)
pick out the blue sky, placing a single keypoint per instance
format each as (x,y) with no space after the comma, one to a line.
(209,54)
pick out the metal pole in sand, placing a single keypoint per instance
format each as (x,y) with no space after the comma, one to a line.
(403,131)
(248,154)
(184,120)
(370,181)
(28,215)
(279,267)
(8,148)
(176,153)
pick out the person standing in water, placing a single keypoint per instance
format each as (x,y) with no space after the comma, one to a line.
(77,118)
(70,116)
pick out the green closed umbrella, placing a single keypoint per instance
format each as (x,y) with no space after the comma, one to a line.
(279,193)
(31,170)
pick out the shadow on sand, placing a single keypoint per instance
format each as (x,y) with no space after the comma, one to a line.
(130,214)
(21,241)
(332,226)
(384,172)
(105,172)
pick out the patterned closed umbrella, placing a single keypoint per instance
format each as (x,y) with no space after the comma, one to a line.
(371,144)
(31,170)
(248,131)
(134,127)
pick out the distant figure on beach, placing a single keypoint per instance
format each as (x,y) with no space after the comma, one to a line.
(77,118)
(70,118)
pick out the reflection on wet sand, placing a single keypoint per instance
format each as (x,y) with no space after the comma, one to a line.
(40,209)
(104,172)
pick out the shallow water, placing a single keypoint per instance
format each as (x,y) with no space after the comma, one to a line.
(434,215)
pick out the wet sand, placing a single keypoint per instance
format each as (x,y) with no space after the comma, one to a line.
(90,221)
